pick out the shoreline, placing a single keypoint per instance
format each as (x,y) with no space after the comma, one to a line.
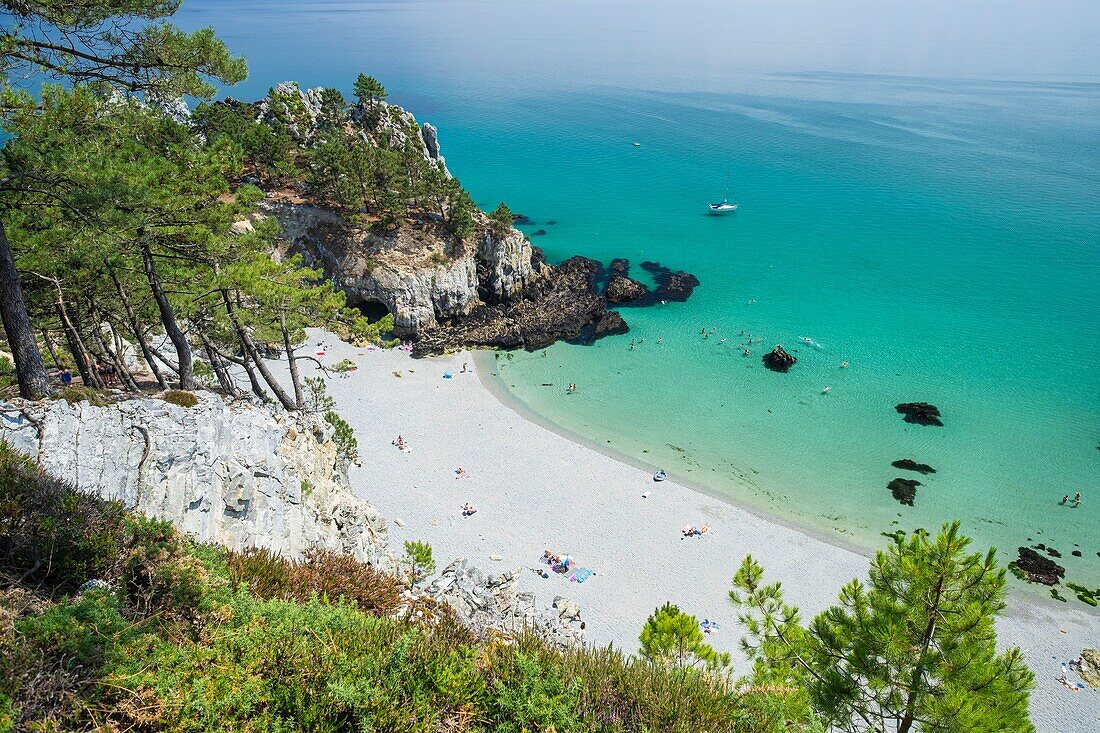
(1026,592)
(536,488)
(492,384)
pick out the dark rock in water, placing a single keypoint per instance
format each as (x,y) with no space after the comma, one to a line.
(622,289)
(1076,553)
(908,464)
(1052,552)
(1036,568)
(671,285)
(904,490)
(611,324)
(620,266)
(778,360)
(521,220)
(539,233)
(552,222)
(920,413)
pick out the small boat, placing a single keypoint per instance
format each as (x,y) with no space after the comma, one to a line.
(724,206)
(659,476)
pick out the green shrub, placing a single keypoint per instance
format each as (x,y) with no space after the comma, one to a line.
(77,393)
(180,398)
(344,365)
(7,379)
(344,437)
(50,532)
(418,555)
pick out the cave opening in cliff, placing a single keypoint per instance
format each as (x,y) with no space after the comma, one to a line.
(372,309)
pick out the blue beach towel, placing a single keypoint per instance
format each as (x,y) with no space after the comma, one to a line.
(447,375)
(582,575)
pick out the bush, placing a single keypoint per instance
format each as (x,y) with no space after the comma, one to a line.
(7,379)
(76,393)
(329,575)
(180,398)
(344,365)
(346,444)
(51,533)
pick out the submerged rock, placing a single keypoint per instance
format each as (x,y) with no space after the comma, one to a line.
(1036,568)
(920,413)
(671,285)
(904,490)
(908,464)
(778,360)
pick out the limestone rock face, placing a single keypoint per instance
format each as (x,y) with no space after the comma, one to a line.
(420,275)
(491,602)
(241,475)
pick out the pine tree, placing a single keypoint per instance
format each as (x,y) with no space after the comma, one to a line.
(671,636)
(913,650)
(125,46)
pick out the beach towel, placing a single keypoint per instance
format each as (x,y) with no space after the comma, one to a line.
(447,375)
(582,575)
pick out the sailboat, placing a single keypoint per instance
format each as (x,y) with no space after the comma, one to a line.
(724,206)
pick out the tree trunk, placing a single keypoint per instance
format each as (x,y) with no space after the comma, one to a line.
(218,366)
(913,697)
(124,378)
(49,345)
(292,363)
(34,382)
(257,359)
(76,344)
(168,317)
(246,364)
(135,328)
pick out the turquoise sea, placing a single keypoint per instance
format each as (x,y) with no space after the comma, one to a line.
(932,219)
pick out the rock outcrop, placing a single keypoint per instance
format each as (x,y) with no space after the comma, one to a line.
(1037,569)
(621,288)
(908,464)
(562,304)
(920,413)
(671,285)
(491,602)
(422,275)
(904,490)
(241,475)
(778,360)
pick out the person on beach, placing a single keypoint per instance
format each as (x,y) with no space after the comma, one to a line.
(468,510)
(400,443)
(66,377)
(460,472)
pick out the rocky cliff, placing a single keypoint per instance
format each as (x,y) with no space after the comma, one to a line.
(241,475)
(418,273)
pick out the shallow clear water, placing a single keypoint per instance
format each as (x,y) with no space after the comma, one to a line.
(942,236)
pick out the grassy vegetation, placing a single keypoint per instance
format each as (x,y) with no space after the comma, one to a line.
(189,637)
(180,397)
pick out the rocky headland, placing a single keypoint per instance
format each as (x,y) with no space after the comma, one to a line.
(489,289)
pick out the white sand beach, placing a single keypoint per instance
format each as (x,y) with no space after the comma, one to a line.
(536,490)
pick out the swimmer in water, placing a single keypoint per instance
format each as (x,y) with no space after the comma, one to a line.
(826,390)
(746,352)
(721,341)
(843,365)
(660,339)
